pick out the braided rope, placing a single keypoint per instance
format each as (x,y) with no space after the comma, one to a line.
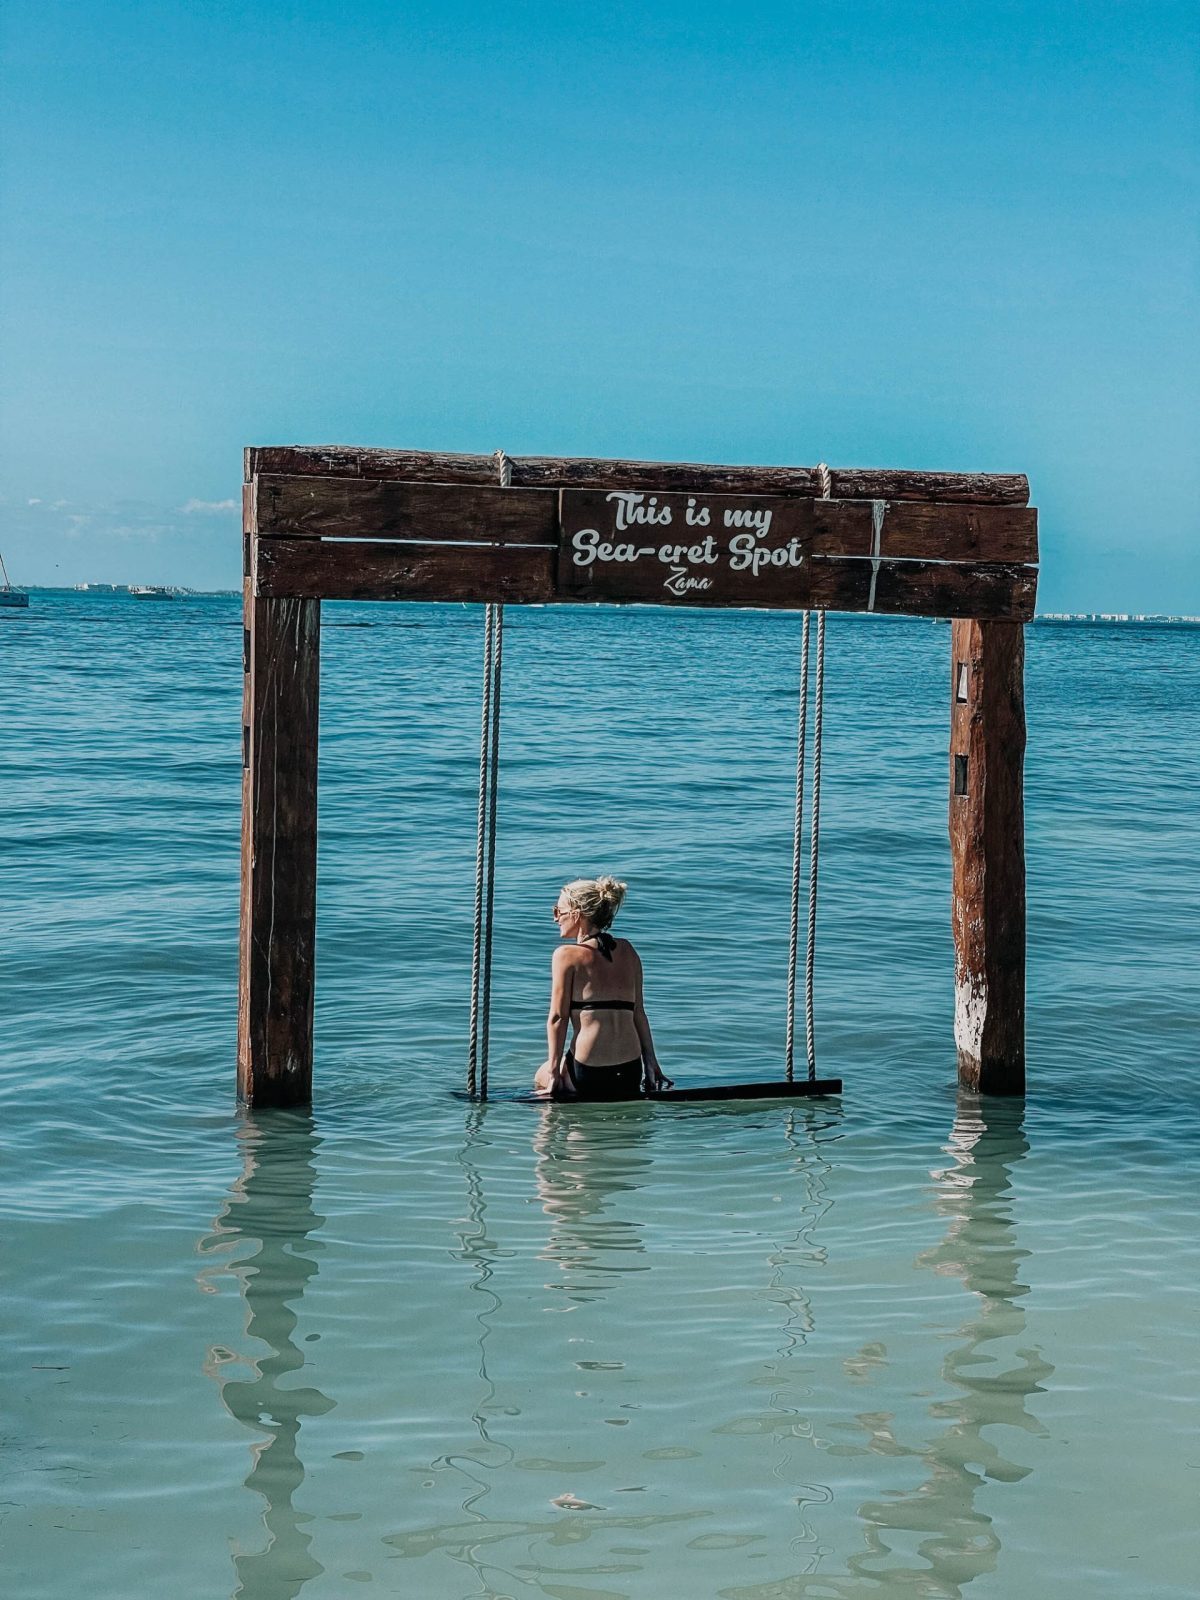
(480,837)
(485,834)
(797,830)
(825,485)
(814,839)
(815,818)
(493,787)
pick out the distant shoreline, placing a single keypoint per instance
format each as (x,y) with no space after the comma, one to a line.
(1048,618)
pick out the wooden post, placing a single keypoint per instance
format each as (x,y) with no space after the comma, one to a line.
(987,839)
(279,849)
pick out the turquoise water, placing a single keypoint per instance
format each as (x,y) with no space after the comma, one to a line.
(905,1344)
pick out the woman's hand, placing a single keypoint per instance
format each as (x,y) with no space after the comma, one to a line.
(654,1079)
(551,1080)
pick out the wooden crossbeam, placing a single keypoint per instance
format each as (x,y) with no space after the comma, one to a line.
(375,508)
(351,570)
(317,536)
(365,508)
(565,472)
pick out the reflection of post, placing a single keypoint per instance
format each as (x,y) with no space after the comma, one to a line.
(980,1247)
(271,1207)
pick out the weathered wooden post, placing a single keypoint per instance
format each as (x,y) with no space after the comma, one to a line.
(281,661)
(987,839)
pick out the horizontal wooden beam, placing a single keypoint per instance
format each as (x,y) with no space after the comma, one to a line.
(559,472)
(994,592)
(373,508)
(522,574)
(831,583)
(304,568)
(929,532)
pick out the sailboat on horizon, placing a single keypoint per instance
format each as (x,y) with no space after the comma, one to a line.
(8,595)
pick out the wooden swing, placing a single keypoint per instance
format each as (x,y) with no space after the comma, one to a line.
(401,525)
(485,878)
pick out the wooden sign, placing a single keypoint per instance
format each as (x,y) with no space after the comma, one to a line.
(709,549)
(630,532)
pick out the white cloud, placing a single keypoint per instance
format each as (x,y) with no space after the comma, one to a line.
(209,508)
(33,502)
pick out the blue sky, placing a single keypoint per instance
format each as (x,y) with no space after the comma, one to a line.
(954,236)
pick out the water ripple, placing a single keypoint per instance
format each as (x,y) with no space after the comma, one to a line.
(908,1343)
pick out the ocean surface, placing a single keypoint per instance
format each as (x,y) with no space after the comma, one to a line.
(905,1343)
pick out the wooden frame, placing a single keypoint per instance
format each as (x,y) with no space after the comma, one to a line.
(349,524)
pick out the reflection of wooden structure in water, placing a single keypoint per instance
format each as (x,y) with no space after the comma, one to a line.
(344,524)
(270,1207)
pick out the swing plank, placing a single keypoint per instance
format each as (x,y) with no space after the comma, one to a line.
(752,1091)
(802,1088)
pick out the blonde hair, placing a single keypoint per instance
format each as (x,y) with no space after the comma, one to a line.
(597,899)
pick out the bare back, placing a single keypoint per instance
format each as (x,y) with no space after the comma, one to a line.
(607,1035)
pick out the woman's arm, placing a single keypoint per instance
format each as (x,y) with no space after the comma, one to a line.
(559,1017)
(652,1073)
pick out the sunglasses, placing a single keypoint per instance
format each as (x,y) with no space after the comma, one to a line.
(558,912)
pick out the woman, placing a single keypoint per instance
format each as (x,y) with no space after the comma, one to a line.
(596,982)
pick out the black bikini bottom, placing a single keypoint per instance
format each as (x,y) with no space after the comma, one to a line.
(622,1082)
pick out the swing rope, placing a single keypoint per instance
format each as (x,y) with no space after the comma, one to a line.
(797,832)
(480,854)
(814,834)
(814,840)
(485,836)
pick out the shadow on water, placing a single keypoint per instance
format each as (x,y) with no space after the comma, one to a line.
(268,1220)
(992,1379)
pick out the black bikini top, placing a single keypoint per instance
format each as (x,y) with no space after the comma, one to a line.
(606,944)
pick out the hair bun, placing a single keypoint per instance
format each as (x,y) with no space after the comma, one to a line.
(611,890)
(598,899)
